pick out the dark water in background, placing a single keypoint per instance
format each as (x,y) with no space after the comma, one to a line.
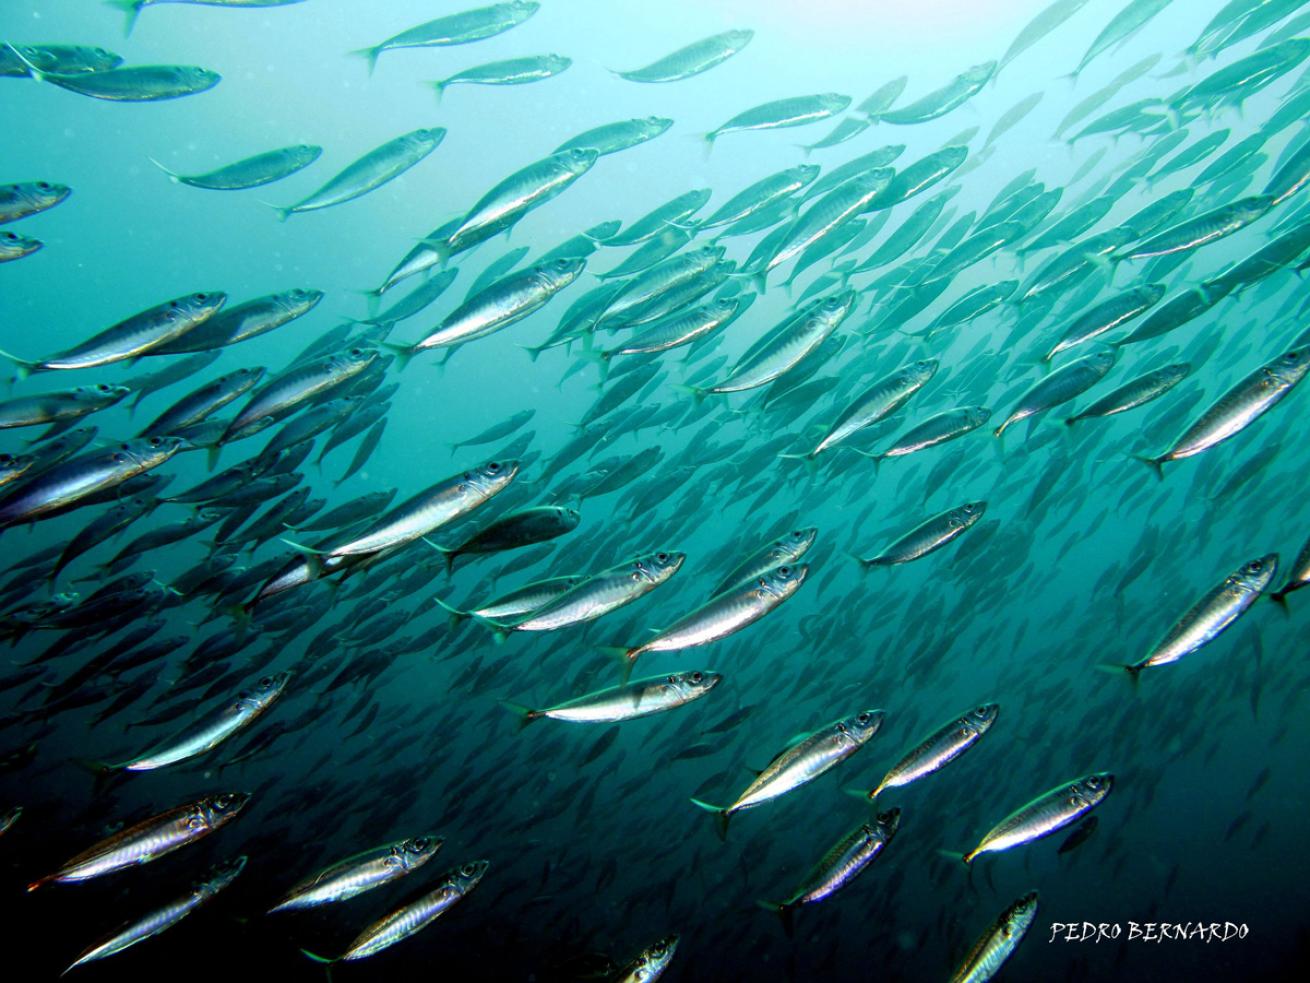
(606,855)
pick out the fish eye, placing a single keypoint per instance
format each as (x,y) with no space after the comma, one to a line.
(662,557)
(10,237)
(1255,566)
(697,678)
(223,801)
(1292,356)
(862,718)
(357,352)
(784,571)
(156,441)
(493,467)
(42,186)
(841,729)
(981,711)
(418,844)
(266,682)
(468,870)
(672,680)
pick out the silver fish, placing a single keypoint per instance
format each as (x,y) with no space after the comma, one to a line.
(135,83)
(601,593)
(1065,383)
(362,872)
(414,916)
(280,396)
(242,322)
(699,56)
(150,839)
(638,698)
(954,94)
(1136,392)
(54,407)
(218,878)
(208,733)
(511,71)
(138,335)
(786,549)
(801,762)
(1238,408)
(610,138)
(929,536)
(250,172)
(1046,814)
(876,403)
(796,111)
(998,943)
(939,748)
(845,860)
(1199,231)
(937,429)
(370,172)
(21,200)
(1210,616)
(649,964)
(461,28)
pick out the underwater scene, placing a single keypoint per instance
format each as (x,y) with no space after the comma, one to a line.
(599,490)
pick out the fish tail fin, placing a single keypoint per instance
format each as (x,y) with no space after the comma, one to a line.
(707,142)
(810,459)
(965,858)
(438,87)
(1156,464)
(721,817)
(864,564)
(786,914)
(696,392)
(311,557)
(132,8)
(321,960)
(1119,668)
(22,367)
(526,715)
(172,175)
(283,211)
(370,55)
(403,353)
(1279,597)
(212,454)
(624,656)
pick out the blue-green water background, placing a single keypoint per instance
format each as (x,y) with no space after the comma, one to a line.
(607,855)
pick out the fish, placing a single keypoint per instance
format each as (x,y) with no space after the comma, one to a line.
(1046,21)
(1196,232)
(60,407)
(14,246)
(1211,615)
(201,403)
(511,71)
(639,698)
(150,839)
(800,763)
(288,392)
(499,305)
(1065,383)
(692,59)
(1131,19)
(81,478)
(464,27)
(514,531)
(724,614)
(363,872)
(138,335)
(1134,393)
(206,734)
(937,429)
(939,748)
(1080,835)
(845,860)
(18,201)
(651,963)
(250,172)
(377,167)
(998,943)
(414,916)
(1049,813)
(519,602)
(1298,578)
(780,113)
(611,138)
(1238,408)
(951,96)
(133,83)
(599,594)
(216,879)
(59,59)
(929,536)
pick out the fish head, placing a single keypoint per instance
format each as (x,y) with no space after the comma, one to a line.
(1091,790)
(738,39)
(465,877)
(414,852)
(922,370)
(796,543)
(693,683)
(653,126)
(194,308)
(148,452)
(523,8)
(221,875)
(492,477)
(101,393)
(578,160)
(46,194)
(559,273)
(1022,909)
(1290,367)
(355,359)
(604,230)
(966,515)
(198,79)
(556,63)
(300,300)
(980,718)
(655,568)
(653,959)
(782,581)
(215,810)
(268,689)
(837,306)
(568,516)
(885,824)
(833,102)
(1255,575)
(859,727)
(305,154)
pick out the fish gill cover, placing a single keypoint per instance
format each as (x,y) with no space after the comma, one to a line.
(722,491)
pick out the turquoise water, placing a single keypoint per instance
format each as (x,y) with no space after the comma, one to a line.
(391,727)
